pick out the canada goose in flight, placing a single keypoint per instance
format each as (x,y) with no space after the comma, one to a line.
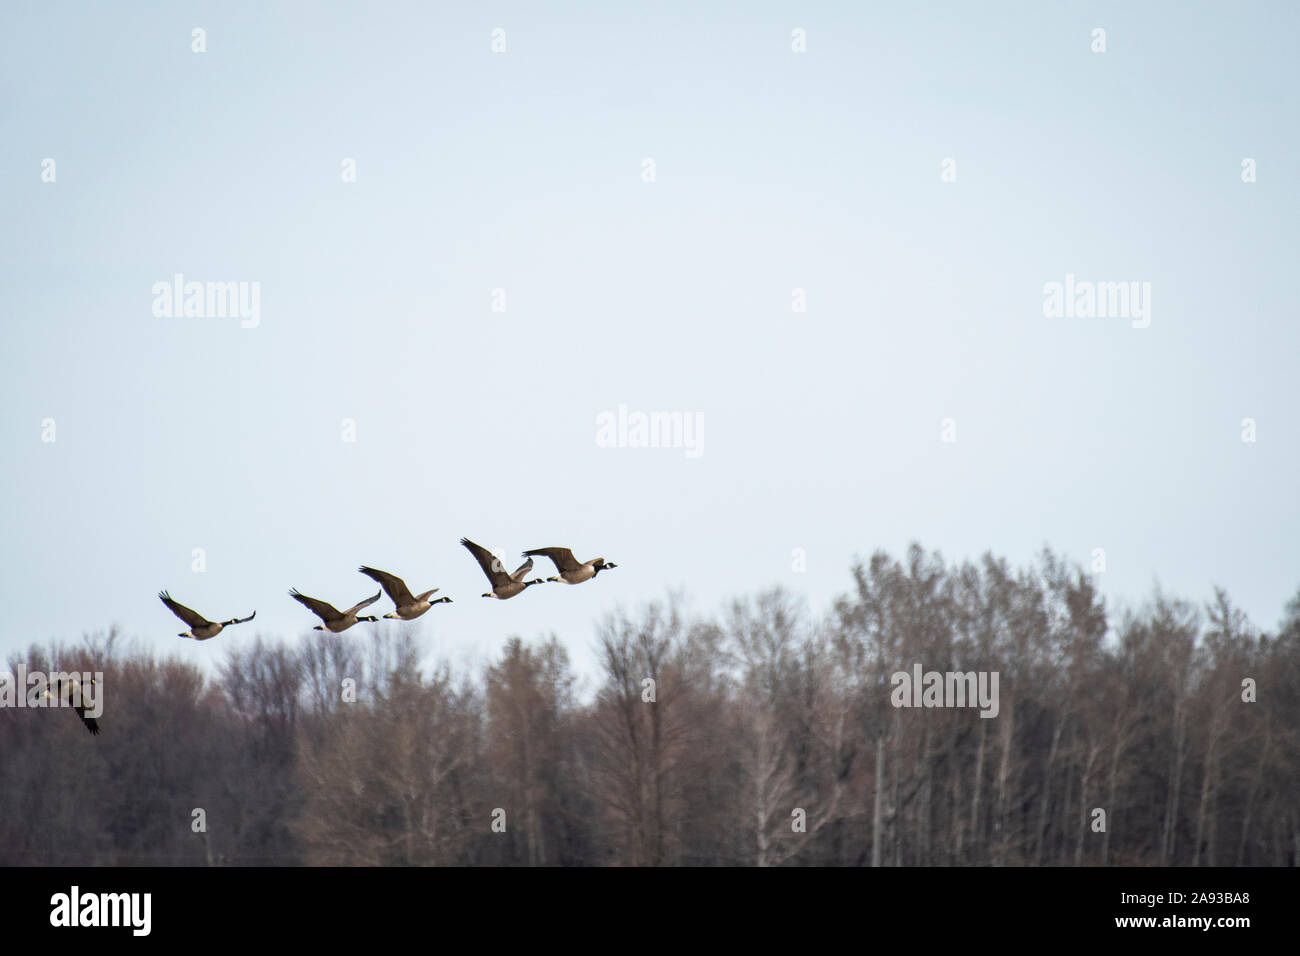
(334,619)
(573,571)
(409,606)
(503,585)
(70,690)
(201,629)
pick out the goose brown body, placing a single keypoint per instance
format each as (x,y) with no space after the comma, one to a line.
(201,629)
(503,585)
(70,690)
(332,619)
(407,606)
(570,569)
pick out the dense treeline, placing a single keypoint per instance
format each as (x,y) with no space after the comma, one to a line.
(770,739)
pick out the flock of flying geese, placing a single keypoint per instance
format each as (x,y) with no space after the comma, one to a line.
(407,606)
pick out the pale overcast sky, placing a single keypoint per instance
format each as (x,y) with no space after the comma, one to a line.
(525,171)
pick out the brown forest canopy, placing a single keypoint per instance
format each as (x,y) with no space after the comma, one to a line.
(771,739)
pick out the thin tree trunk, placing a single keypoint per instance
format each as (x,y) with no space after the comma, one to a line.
(977,789)
(1176,758)
(1208,785)
(1250,797)
(1084,826)
(1004,772)
(876,834)
(1045,796)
